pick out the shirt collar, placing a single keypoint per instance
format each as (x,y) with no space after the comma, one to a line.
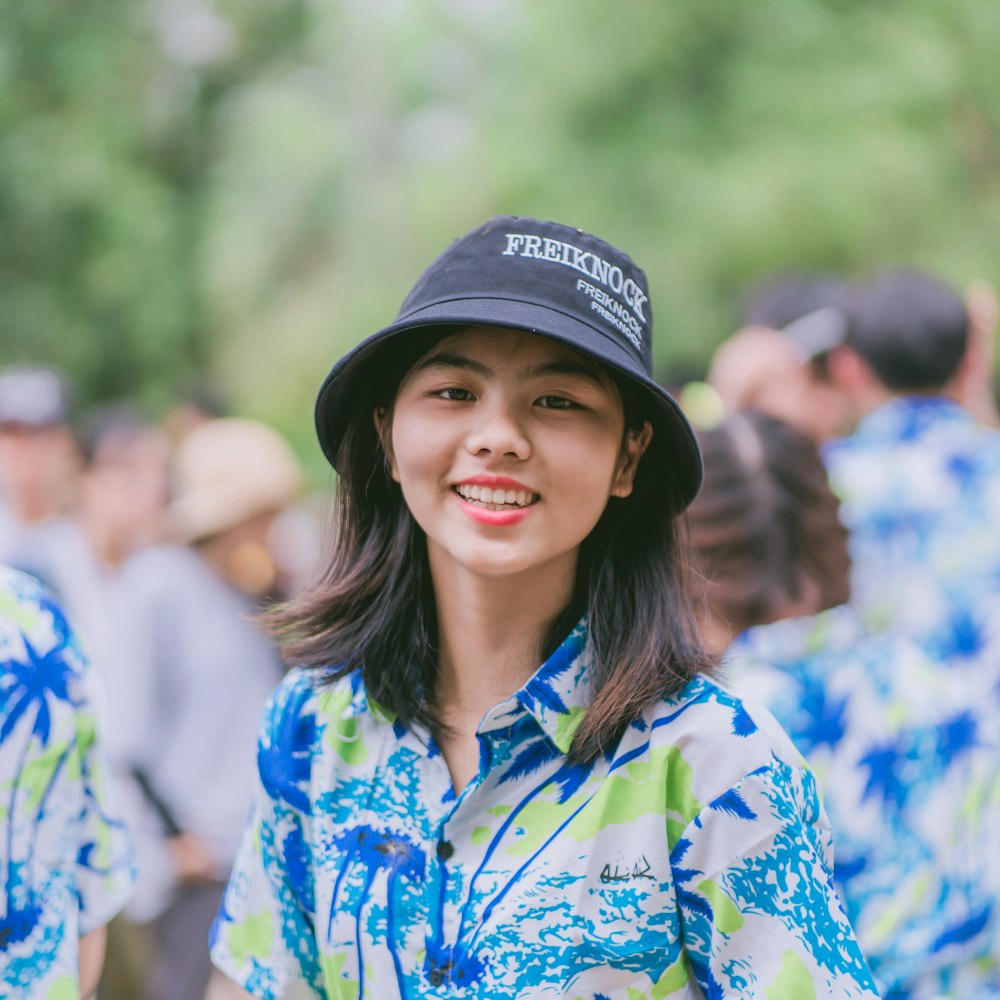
(558,693)
(556,696)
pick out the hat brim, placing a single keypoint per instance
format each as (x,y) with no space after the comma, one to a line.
(677,443)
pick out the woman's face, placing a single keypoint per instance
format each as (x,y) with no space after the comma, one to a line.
(507,448)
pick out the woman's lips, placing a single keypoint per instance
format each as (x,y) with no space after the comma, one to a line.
(495,511)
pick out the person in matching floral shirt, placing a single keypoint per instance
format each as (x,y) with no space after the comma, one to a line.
(919,479)
(903,748)
(65,856)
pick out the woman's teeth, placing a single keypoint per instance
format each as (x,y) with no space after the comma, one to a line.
(485,496)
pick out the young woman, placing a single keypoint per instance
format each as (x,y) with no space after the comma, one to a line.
(500,771)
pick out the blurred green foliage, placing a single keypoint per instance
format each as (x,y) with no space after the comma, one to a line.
(242,191)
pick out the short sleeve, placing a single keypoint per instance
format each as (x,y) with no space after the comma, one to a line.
(264,937)
(105,872)
(759,912)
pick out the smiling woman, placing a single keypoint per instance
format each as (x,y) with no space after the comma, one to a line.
(501,768)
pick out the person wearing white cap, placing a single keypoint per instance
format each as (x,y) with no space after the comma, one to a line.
(38,457)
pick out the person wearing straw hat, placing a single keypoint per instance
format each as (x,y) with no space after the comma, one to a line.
(501,768)
(194,673)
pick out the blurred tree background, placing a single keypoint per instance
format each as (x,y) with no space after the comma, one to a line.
(241,191)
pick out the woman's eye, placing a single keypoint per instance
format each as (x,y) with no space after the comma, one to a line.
(456,394)
(556,402)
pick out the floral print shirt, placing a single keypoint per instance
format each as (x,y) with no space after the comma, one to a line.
(919,483)
(65,859)
(692,859)
(906,756)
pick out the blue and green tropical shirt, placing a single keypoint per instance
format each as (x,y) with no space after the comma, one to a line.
(693,859)
(919,484)
(65,858)
(907,758)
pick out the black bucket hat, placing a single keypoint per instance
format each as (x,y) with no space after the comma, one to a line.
(547,279)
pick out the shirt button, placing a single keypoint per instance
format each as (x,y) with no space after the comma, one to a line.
(445,849)
(435,977)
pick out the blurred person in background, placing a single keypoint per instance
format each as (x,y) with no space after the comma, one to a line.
(65,858)
(776,362)
(38,457)
(786,360)
(919,479)
(195,672)
(906,757)
(121,506)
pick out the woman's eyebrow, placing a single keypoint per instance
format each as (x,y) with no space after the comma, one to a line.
(454,361)
(572,368)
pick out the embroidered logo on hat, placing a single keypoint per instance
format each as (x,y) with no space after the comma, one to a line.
(622,308)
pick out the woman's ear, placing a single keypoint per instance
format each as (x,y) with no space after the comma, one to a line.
(633,448)
(383,428)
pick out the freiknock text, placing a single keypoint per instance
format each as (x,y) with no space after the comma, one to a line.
(628,320)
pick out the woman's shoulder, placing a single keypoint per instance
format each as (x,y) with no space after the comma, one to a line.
(312,701)
(721,736)
(306,718)
(709,707)
(310,692)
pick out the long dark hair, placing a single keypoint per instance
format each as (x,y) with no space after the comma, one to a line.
(373,608)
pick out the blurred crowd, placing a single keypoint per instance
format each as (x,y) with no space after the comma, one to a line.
(847,539)
(161,540)
(846,555)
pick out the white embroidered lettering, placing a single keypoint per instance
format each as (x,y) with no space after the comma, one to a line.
(553,249)
(600,269)
(514,242)
(616,323)
(615,311)
(635,297)
(532,246)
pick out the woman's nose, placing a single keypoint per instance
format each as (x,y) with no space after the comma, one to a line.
(499,432)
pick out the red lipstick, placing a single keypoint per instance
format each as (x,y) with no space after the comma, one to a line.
(499,513)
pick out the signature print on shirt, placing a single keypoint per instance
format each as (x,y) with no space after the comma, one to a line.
(640,869)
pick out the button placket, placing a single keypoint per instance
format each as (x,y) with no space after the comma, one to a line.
(453,852)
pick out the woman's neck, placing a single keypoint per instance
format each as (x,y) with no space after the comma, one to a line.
(490,635)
